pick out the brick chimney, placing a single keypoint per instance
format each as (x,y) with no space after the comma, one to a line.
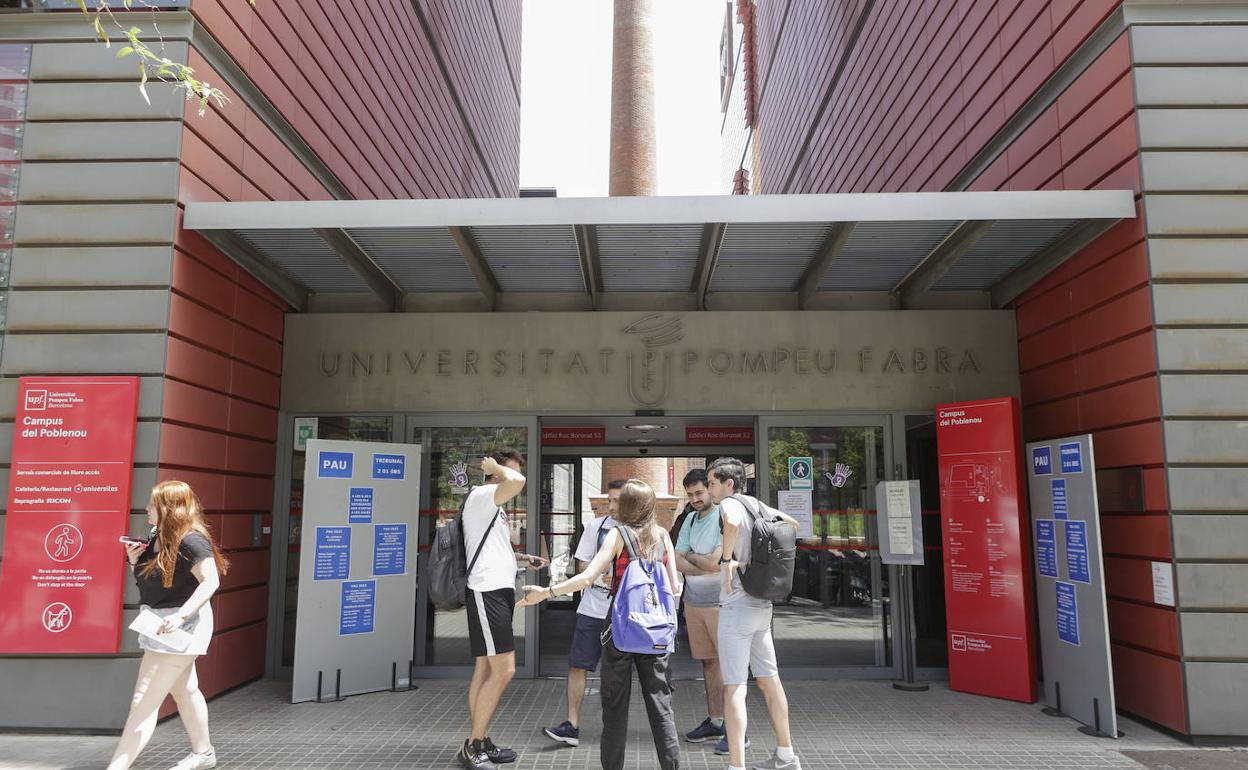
(632,100)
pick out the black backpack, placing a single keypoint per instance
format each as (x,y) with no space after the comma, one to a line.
(447,570)
(773,550)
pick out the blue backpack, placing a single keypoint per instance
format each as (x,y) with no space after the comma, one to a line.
(643,610)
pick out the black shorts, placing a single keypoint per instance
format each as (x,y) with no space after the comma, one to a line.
(489,621)
(586,642)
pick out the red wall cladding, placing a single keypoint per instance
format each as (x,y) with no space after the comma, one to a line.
(362,86)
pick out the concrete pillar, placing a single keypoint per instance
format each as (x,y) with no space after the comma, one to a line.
(632,100)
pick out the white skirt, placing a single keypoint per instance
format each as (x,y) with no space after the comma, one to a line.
(199,626)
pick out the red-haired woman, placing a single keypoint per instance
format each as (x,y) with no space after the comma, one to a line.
(177,572)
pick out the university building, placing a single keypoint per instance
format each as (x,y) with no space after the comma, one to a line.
(929,205)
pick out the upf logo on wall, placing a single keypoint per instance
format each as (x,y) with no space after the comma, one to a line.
(647,355)
(36,400)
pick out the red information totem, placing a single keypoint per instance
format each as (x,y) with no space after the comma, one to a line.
(69,499)
(988,591)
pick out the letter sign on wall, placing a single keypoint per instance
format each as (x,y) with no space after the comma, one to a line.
(988,587)
(63,572)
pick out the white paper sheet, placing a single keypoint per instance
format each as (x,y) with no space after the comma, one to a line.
(148,623)
(798,505)
(900,525)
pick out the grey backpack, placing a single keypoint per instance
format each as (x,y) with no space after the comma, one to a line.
(447,570)
(773,550)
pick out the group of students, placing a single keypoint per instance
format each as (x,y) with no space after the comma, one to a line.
(729,628)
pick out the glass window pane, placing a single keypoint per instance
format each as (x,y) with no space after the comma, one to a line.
(15,61)
(837,614)
(928,581)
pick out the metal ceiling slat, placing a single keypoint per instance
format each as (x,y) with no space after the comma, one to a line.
(542,258)
(303,254)
(1006,246)
(644,258)
(878,255)
(420,259)
(767,257)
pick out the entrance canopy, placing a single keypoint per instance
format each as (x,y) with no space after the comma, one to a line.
(781,252)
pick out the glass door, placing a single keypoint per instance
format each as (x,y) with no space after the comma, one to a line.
(451,465)
(838,616)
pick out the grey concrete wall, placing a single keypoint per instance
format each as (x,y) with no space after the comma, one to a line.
(89,294)
(1192,97)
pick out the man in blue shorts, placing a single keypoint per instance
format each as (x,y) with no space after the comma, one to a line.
(590,618)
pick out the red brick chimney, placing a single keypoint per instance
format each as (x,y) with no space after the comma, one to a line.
(632,100)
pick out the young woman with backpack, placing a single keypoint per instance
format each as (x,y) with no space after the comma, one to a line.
(641,629)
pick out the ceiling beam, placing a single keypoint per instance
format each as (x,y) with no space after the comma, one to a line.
(378,280)
(828,251)
(1045,261)
(277,280)
(708,260)
(931,268)
(591,266)
(471,253)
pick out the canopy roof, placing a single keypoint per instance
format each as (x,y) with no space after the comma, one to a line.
(899,250)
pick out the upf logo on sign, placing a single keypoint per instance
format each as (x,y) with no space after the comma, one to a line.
(1071,456)
(1042,460)
(36,400)
(335,465)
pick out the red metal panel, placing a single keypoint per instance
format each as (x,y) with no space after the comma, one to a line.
(1045,310)
(192,363)
(1129,402)
(1099,76)
(1154,628)
(202,284)
(192,189)
(209,487)
(1124,316)
(252,420)
(230,530)
(191,448)
(1119,144)
(198,324)
(1130,446)
(1052,344)
(247,493)
(1144,536)
(1109,109)
(247,568)
(258,314)
(244,455)
(256,349)
(1039,134)
(209,166)
(1129,579)
(1156,496)
(1080,25)
(1150,686)
(231,609)
(1118,362)
(1050,420)
(195,406)
(1116,275)
(253,384)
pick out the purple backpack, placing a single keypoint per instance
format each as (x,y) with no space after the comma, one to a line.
(643,610)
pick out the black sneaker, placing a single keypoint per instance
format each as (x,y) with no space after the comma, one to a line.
(705,731)
(473,756)
(497,754)
(564,733)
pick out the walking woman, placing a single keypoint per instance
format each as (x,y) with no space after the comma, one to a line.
(177,572)
(636,522)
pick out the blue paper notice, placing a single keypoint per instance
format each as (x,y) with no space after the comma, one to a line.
(333,553)
(1072,457)
(1042,460)
(1046,548)
(1067,613)
(389,549)
(388,466)
(334,465)
(360,505)
(1060,508)
(359,603)
(1077,551)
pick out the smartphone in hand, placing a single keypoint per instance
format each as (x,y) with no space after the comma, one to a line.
(127,540)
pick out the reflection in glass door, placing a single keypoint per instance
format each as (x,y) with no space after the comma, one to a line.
(838,613)
(452,455)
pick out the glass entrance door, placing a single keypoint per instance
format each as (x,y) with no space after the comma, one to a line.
(838,615)
(451,460)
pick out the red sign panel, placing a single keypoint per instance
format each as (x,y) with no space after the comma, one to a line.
(700,434)
(69,499)
(561,435)
(988,591)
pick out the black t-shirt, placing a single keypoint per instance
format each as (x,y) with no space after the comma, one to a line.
(152,592)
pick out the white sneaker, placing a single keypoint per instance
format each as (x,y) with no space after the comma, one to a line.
(193,761)
(774,762)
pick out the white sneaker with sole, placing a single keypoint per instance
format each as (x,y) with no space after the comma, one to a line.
(774,762)
(204,761)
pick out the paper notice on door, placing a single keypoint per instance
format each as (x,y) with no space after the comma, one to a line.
(1163,583)
(900,523)
(798,505)
(148,623)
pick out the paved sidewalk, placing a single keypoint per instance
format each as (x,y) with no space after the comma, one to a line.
(835,725)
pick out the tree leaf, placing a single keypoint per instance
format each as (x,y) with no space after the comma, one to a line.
(143,83)
(124,51)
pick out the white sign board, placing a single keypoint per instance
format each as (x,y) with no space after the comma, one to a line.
(798,505)
(899,523)
(1163,583)
(357,568)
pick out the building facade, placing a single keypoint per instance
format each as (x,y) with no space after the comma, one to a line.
(1140,337)
(101,278)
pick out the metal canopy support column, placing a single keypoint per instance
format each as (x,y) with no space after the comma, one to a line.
(829,250)
(379,282)
(708,258)
(476,263)
(928,272)
(276,279)
(1048,259)
(591,267)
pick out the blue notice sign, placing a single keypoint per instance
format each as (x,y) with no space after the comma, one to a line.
(359,604)
(1072,457)
(1067,613)
(1060,508)
(360,505)
(1046,548)
(335,465)
(333,553)
(1042,460)
(389,549)
(388,466)
(1077,551)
